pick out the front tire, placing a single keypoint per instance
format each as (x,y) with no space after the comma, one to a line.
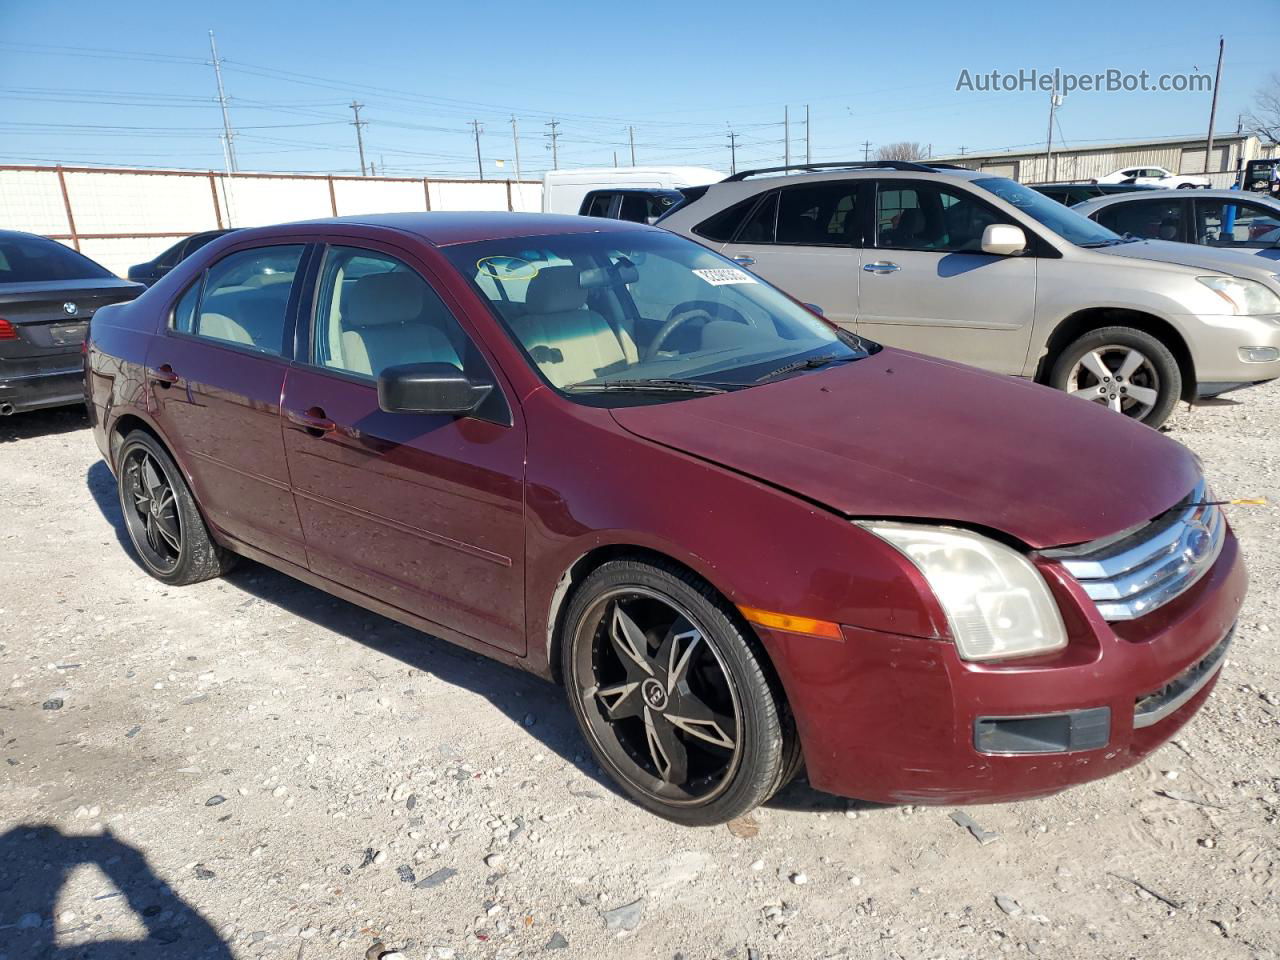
(672,695)
(1123,368)
(165,527)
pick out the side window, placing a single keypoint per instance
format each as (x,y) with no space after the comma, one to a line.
(819,214)
(597,204)
(721,227)
(246,297)
(1226,224)
(924,215)
(635,207)
(1148,219)
(374,312)
(759,228)
(184,311)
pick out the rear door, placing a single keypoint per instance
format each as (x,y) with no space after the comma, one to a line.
(424,512)
(927,285)
(804,239)
(215,375)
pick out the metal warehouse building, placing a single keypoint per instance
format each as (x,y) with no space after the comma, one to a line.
(1181,155)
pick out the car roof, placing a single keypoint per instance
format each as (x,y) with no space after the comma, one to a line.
(445,228)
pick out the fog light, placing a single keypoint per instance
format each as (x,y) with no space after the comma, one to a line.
(1259,354)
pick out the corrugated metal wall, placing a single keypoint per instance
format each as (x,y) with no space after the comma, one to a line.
(123,217)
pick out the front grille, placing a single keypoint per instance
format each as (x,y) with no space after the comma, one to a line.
(1142,571)
(1157,705)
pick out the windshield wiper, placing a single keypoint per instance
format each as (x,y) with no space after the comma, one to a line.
(1113,242)
(650,386)
(808,364)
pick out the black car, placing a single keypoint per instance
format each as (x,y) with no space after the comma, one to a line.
(48,292)
(151,271)
(1070,194)
(637,204)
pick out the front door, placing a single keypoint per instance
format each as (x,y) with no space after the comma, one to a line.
(424,512)
(927,286)
(215,374)
(803,239)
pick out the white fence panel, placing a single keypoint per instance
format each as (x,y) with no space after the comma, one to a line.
(31,200)
(378,196)
(526,197)
(470,195)
(257,201)
(141,203)
(119,255)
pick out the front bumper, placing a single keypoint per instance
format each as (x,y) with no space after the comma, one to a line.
(1215,343)
(58,387)
(897,719)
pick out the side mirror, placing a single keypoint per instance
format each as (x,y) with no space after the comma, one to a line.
(429,388)
(1003,239)
(816,309)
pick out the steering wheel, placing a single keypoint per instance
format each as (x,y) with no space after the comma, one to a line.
(681,313)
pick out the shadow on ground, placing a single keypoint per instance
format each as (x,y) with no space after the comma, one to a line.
(516,693)
(34,864)
(41,423)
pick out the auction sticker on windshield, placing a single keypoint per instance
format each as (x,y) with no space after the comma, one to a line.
(720,276)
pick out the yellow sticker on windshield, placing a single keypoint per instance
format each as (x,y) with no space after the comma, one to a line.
(720,276)
(507,268)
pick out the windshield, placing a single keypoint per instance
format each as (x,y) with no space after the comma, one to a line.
(1063,221)
(645,311)
(35,259)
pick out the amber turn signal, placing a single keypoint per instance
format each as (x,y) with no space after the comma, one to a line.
(785,621)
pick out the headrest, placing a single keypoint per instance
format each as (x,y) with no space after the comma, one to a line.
(911,220)
(383,298)
(624,272)
(555,290)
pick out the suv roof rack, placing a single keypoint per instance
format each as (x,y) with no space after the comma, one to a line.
(842,165)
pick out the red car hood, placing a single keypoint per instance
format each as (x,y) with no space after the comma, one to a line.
(903,435)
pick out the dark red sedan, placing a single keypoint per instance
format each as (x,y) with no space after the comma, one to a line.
(744,540)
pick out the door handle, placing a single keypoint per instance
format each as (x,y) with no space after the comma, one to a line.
(744,261)
(163,375)
(312,421)
(881,266)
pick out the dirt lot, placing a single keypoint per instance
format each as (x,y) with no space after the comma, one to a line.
(250,768)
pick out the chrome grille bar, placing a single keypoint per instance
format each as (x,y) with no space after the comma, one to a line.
(1145,570)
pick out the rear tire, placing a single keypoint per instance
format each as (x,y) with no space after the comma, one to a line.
(1123,368)
(672,695)
(165,527)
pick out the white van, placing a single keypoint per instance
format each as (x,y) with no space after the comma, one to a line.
(621,193)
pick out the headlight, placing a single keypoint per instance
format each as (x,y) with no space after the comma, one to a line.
(1247,298)
(996,602)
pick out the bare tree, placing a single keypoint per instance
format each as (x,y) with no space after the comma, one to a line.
(902,150)
(1264,120)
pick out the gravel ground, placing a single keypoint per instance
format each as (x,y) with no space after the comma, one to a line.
(250,768)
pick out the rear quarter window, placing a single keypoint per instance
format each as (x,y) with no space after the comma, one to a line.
(722,226)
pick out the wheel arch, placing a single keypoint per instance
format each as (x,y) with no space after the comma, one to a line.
(1081,322)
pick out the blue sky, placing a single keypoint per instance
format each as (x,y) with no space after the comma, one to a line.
(130,84)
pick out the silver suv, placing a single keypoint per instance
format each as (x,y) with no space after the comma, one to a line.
(986,271)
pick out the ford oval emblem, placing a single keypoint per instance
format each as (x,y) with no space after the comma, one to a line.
(70,309)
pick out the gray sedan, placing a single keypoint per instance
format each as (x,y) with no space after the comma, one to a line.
(1231,219)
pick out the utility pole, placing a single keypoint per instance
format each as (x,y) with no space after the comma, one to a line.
(515,140)
(475,126)
(1213,109)
(615,158)
(358,124)
(631,135)
(228,148)
(786,137)
(1055,101)
(807,143)
(555,157)
(733,152)
(866,150)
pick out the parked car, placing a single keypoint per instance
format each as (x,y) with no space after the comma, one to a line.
(1260,177)
(151,271)
(1229,219)
(984,270)
(741,537)
(636,205)
(563,191)
(1156,176)
(48,292)
(1069,194)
